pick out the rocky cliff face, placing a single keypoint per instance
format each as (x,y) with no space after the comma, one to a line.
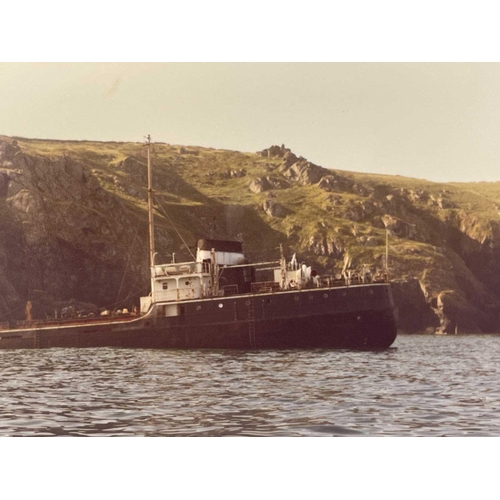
(73,225)
(450,283)
(64,237)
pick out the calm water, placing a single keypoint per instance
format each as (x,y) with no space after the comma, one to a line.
(422,386)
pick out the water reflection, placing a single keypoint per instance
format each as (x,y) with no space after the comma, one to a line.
(425,386)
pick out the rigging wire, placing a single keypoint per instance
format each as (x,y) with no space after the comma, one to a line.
(133,292)
(17,308)
(174,226)
(126,265)
(155,198)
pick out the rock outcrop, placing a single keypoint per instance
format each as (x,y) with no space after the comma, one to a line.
(267,183)
(274,152)
(273,209)
(73,225)
(414,312)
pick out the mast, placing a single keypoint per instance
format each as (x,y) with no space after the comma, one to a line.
(387,253)
(150,207)
(386,250)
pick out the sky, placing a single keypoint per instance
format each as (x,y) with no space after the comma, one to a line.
(438,121)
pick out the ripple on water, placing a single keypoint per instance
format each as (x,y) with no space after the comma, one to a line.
(424,386)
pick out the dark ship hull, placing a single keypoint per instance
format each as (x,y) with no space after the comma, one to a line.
(343,317)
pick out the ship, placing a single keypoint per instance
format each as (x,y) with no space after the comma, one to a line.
(221,300)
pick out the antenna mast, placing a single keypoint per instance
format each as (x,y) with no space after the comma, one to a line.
(150,207)
(387,253)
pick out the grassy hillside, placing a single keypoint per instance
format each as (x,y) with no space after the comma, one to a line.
(442,235)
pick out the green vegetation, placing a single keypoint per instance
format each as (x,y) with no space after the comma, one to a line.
(199,182)
(444,235)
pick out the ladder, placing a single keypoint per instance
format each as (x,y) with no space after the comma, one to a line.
(251,324)
(37,339)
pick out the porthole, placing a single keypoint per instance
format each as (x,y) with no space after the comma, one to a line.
(296,298)
(370,292)
(198,307)
(325,295)
(359,318)
(247,303)
(344,294)
(187,283)
(311,297)
(221,306)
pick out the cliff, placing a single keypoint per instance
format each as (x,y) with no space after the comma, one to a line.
(73,225)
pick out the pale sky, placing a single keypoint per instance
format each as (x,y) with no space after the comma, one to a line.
(438,121)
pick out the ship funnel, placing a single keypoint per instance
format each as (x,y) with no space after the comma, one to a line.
(227,253)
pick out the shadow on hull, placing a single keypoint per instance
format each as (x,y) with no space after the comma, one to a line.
(360,329)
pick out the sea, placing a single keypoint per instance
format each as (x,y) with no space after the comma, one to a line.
(423,385)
